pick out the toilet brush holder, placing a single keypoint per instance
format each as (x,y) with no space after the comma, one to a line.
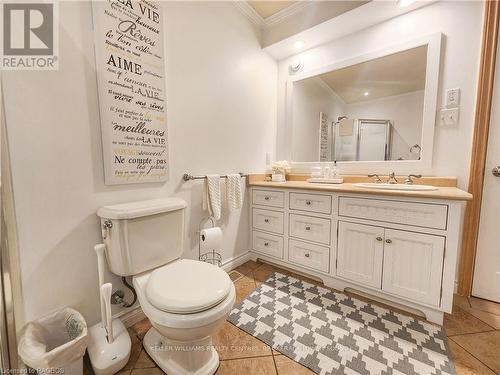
(109,341)
(108,358)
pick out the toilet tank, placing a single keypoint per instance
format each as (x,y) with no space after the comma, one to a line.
(141,236)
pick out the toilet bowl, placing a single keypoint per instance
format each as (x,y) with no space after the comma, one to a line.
(186,302)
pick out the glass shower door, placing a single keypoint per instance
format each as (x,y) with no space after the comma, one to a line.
(373,140)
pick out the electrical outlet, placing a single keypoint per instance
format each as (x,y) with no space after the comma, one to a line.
(452,98)
(449,116)
(268,159)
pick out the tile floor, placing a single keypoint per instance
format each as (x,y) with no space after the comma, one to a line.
(473,330)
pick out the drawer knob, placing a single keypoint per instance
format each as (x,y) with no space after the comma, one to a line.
(308,228)
(266,220)
(307,255)
(266,244)
(379,238)
(308,203)
(388,241)
(267,198)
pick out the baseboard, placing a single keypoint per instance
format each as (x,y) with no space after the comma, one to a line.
(236,261)
(131,317)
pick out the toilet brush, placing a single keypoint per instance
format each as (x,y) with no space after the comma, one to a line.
(99,250)
(106,290)
(109,341)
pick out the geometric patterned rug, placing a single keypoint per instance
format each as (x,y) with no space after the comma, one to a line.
(332,333)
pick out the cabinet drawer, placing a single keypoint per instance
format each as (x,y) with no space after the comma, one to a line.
(272,221)
(310,228)
(426,215)
(311,202)
(268,244)
(308,255)
(268,198)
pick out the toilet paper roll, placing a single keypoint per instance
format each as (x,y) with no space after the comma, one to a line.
(211,239)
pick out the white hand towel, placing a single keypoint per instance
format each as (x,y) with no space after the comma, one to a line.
(234,191)
(211,195)
(346,127)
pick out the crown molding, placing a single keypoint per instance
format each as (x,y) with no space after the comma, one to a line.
(250,13)
(285,13)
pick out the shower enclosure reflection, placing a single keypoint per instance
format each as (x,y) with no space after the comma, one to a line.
(361,139)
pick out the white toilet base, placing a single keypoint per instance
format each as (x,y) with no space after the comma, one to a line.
(190,358)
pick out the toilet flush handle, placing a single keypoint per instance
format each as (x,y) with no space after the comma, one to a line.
(106,226)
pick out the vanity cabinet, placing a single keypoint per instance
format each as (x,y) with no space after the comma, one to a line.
(393,248)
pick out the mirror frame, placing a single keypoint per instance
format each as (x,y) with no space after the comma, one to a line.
(429,117)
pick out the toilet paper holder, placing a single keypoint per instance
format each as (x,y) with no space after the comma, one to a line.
(212,257)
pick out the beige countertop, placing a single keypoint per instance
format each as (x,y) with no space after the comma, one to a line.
(443,192)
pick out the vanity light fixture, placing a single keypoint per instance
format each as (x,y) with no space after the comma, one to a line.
(296,65)
(299,44)
(405,3)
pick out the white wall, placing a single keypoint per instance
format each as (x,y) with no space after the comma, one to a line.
(221,92)
(405,112)
(461,24)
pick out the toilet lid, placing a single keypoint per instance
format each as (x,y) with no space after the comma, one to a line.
(187,286)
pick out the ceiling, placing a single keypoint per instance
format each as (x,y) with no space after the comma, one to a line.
(390,75)
(266,9)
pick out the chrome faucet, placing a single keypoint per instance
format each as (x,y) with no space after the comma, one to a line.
(392,178)
(409,181)
(377,178)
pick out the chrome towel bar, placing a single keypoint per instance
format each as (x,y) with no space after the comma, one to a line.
(187,177)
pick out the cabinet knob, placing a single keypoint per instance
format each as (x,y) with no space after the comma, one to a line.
(307,255)
(267,198)
(266,244)
(266,220)
(308,203)
(379,238)
(308,228)
(388,241)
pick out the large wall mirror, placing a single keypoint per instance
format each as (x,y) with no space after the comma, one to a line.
(379,107)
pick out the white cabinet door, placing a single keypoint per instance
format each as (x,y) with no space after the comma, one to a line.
(360,253)
(413,264)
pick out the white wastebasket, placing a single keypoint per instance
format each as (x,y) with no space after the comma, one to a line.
(56,342)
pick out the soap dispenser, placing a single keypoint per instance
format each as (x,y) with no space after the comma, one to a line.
(334,171)
(335,175)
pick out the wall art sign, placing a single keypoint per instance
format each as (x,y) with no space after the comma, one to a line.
(131,82)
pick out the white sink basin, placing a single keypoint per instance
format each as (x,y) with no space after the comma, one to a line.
(373,185)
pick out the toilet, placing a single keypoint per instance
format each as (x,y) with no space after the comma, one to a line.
(185,300)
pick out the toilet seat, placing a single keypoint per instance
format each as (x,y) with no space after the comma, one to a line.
(187,286)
